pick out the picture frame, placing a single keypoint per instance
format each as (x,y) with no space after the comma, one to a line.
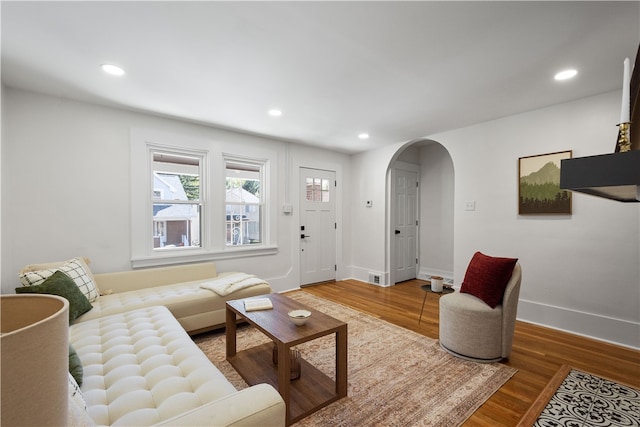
(539,185)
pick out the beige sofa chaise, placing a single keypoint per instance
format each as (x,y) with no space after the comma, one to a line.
(141,368)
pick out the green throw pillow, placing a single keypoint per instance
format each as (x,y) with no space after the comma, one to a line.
(75,366)
(61,284)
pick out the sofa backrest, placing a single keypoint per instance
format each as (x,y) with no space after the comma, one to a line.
(123,281)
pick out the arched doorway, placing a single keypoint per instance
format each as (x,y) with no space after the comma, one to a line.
(432,212)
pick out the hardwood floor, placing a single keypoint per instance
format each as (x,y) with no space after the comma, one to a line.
(537,352)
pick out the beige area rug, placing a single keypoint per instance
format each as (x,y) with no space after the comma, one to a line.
(396,377)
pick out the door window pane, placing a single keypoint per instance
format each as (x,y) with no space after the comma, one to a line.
(317,189)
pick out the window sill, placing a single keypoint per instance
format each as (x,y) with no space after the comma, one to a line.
(199,255)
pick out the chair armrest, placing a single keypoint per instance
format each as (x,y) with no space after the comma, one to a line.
(510,309)
(260,405)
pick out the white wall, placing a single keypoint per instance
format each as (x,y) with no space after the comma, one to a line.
(369,225)
(2,142)
(437,192)
(580,272)
(66,186)
(411,154)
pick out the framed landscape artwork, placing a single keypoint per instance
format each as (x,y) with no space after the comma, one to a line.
(539,185)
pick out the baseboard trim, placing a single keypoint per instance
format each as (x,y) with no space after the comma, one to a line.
(426,273)
(590,325)
(365,275)
(324,282)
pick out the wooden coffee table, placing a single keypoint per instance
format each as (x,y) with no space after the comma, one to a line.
(313,390)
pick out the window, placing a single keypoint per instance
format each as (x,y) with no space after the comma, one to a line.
(243,202)
(181,210)
(317,190)
(176,200)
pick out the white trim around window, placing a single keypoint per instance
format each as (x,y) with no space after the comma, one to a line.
(212,195)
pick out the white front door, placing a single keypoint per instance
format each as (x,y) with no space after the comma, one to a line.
(405,226)
(317,226)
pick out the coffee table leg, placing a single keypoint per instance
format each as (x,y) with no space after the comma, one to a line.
(231,333)
(341,361)
(284,376)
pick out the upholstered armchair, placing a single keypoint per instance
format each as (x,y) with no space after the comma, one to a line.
(478,322)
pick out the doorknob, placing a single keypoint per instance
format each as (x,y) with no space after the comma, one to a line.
(397,231)
(302,236)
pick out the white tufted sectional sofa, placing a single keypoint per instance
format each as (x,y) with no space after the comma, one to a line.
(142,368)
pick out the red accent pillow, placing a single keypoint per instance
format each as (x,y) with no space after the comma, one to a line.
(487,277)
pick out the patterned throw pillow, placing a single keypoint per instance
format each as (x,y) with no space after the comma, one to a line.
(75,268)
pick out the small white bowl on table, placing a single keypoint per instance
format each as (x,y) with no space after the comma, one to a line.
(299,317)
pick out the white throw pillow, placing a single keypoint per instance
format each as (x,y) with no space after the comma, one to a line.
(77,414)
(75,268)
(75,395)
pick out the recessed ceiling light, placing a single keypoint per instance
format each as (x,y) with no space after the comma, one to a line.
(363,135)
(275,113)
(566,74)
(114,70)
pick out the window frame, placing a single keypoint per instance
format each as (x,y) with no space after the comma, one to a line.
(148,223)
(201,202)
(212,190)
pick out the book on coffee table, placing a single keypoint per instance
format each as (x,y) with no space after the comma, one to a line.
(257,304)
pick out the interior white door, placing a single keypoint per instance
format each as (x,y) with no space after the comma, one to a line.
(317,226)
(406,226)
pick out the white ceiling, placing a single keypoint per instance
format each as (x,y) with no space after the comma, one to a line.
(396,70)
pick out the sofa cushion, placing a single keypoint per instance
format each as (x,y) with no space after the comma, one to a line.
(75,268)
(487,277)
(61,284)
(141,367)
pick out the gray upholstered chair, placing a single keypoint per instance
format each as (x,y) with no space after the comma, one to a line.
(471,329)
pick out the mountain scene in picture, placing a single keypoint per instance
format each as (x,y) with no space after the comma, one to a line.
(540,192)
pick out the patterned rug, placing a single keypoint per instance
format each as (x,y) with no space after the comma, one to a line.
(396,377)
(587,400)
